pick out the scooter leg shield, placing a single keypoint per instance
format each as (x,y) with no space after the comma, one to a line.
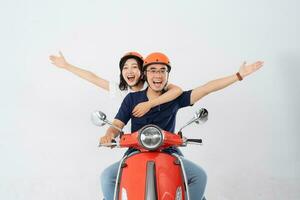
(150,176)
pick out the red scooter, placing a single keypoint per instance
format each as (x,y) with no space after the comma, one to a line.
(151,174)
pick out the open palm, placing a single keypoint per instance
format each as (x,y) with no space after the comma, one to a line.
(59,61)
(246,70)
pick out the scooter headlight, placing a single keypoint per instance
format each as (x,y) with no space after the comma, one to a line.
(150,137)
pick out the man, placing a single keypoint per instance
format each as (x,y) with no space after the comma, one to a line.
(156,70)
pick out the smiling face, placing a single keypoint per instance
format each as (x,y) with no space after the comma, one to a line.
(157,76)
(131,72)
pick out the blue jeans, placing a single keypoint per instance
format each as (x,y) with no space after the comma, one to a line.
(195,174)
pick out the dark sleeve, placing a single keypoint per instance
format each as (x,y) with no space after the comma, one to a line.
(185,99)
(124,113)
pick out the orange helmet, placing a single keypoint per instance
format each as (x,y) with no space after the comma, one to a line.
(157,58)
(131,54)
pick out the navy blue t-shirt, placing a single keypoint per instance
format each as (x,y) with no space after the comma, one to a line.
(163,115)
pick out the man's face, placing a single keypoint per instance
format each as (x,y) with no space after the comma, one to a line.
(157,76)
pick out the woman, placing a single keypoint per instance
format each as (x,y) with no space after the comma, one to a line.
(131,80)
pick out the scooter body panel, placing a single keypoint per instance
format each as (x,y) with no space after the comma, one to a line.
(151,176)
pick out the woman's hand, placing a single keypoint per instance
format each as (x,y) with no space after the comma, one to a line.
(59,61)
(141,109)
(246,70)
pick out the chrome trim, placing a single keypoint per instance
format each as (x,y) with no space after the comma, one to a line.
(151,192)
(116,192)
(187,194)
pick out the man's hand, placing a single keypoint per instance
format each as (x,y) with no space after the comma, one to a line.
(111,132)
(59,61)
(246,70)
(107,138)
(141,109)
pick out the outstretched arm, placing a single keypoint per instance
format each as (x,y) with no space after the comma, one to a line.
(221,83)
(172,93)
(61,62)
(111,132)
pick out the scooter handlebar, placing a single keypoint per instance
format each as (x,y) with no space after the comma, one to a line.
(113,143)
(194,141)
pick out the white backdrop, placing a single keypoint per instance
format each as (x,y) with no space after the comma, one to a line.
(48,146)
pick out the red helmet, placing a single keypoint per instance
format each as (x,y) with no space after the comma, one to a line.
(157,58)
(131,54)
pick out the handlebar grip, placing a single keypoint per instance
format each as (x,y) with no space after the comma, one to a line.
(194,140)
(113,142)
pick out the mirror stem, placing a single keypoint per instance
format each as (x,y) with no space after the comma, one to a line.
(190,122)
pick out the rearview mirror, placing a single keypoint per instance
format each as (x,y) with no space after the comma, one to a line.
(98,118)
